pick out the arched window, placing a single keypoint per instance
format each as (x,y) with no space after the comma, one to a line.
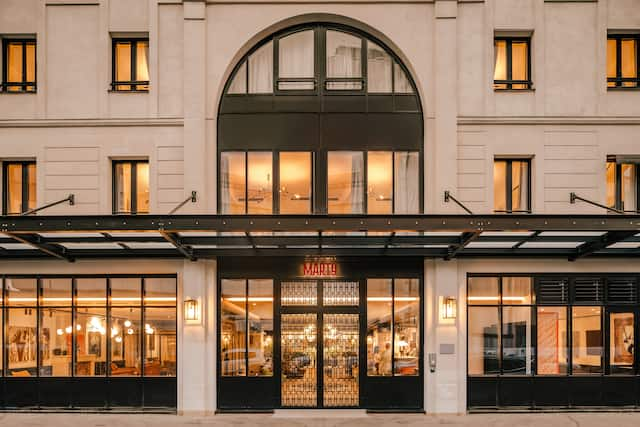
(320,119)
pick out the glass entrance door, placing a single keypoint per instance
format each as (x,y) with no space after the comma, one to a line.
(320,344)
(622,337)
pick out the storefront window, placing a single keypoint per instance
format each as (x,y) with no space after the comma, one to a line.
(406,326)
(91,341)
(406,182)
(621,343)
(516,290)
(233,328)
(160,291)
(233,182)
(379,324)
(483,291)
(55,328)
(260,329)
(552,340)
(259,183)
(160,341)
(484,341)
(91,292)
(295,182)
(379,182)
(125,291)
(587,340)
(517,349)
(125,341)
(345,182)
(21,341)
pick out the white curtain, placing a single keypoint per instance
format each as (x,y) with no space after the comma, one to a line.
(239,82)
(357,183)
(378,69)
(343,55)
(406,182)
(296,55)
(401,82)
(261,70)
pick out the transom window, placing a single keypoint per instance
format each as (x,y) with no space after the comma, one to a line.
(130,64)
(19,70)
(319,59)
(623,61)
(512,63)
(19,187)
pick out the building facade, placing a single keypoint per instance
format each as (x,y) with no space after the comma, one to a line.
(162,117)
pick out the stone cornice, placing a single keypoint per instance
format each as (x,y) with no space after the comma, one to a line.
(53,123)
(549,120)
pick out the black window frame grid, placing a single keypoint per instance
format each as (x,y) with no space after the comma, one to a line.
(25,185)
(606,308)
(134,84)
(509,185)
(133,209)
(39,308)
(619,202)
(618,79)
(24,85)
(509,82)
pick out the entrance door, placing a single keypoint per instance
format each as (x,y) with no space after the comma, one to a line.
(622,334)
(320,344)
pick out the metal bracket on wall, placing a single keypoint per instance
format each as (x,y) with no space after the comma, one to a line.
(71,198)
(192,199)
(573,197)
(448,197)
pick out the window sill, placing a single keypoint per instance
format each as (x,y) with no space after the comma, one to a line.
(531,89)
(7,92)
(623,89)
(127,91)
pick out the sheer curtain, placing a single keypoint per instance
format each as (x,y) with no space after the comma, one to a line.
(519,186)
(406,182)
(343,55)
(378,69)
(401,82)
(261,70)
(357,183)
(500,63)
(296,59)
(239,83)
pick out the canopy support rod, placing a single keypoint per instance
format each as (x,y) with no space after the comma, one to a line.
(607,239)
(48,248)
(466,238)
(172,238)
(191,199)
(573,197)
(71,198)
(448,196)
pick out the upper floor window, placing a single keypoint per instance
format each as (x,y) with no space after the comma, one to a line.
(130,64)
(512,186)
(622,184)
(512,63)
(130,186)
(623,61)
(19,187)
(19,70)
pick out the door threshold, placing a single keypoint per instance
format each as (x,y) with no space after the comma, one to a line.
(320,413)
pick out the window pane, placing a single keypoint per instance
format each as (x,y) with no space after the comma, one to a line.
(344,58)
(612,61)
(142,187)
(14,189)
(20,292)
(91,292)
(519,62)
(160,342)
(552,340)
(55,342)
(14,62)
(31,171)
(401,83)
(379,324)
(160,291)
(21,342)
(142,65)
(260,190)
(345,182)
(519,186)
(516,290)
(629,61)
(125,342)
(499,186)
(55,292)
(629,190)
(406,182)
(295,182)
(232,186)
(31,63)
(91,342)
(123,64)
(378,69)
(239,83)
(406,326)
(125,291)
(500,63)
(611,184)
(123,187)
(296,58)
(483,291)
(261,70)
(379,182)
(484,341)
(621,347)
(517,352)
(233,328)
(261,328)
(587,340)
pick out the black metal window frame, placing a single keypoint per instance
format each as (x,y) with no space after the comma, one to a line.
(25,185)
(509,185)
(509,82)
(319,177)
(606,306)
(619,202)
(24,85)
(618,80)
(133,209)
(320,79)
(134,84)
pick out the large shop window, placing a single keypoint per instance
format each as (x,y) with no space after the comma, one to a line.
(393,327)
(512,186)
(246,327)
(512,63)
(19,187)
(623,61)
(19,70)
(130,65)
(89,326)
(130,187)
(622,183)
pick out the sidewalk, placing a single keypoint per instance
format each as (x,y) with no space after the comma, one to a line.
(332,420)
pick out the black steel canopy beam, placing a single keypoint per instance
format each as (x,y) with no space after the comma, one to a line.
(47,248)
(466,238)
(600,243)
(173,239)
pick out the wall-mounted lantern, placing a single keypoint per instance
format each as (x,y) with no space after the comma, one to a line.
(191,310)
(449,308)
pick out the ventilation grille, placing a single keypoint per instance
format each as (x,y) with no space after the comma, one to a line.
(622,290)
(552,291)
(588,290)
